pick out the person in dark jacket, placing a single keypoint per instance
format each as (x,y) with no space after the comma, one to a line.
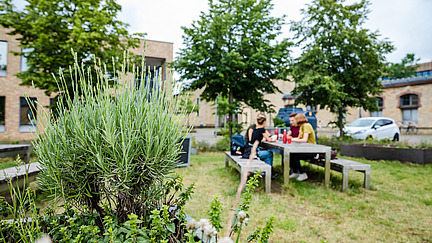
(260,134)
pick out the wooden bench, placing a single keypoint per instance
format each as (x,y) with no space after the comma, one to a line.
(9,150)
(240,165)
(344,166)
(17,174)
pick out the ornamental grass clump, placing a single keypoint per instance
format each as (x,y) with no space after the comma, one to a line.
(114,144)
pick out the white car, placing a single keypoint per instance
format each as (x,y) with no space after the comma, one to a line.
(373,127)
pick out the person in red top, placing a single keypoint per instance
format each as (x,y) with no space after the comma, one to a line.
(294,129)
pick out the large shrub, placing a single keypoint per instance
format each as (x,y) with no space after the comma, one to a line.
(108,155)
(114,146)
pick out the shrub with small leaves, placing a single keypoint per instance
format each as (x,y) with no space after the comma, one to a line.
(114,144)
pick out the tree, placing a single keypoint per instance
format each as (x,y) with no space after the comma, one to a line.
(405,69)
(187,104)
(49,29)
(340,62)
(232,52)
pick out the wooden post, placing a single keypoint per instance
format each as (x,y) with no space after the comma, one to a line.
(327,167)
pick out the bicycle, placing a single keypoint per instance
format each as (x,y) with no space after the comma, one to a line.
(409,128)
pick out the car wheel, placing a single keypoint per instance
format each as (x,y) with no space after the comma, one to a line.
(396,137)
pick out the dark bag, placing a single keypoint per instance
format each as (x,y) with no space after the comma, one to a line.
(247,151)
(238,144)
(333,154)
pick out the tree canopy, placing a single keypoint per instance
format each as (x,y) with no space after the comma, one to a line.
(405,69)
(49,29)
(341,61)
(232,51)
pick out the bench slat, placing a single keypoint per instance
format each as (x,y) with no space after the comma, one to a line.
(240,165)
(344,166)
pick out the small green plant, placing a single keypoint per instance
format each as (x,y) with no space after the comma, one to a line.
(278,122)
(223,144)
(114,144)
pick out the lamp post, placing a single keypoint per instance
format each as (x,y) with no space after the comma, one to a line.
(216,118)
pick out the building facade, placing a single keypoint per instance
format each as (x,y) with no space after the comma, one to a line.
(17,120)
(404,100)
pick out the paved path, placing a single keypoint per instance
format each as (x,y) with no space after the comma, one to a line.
(206,135)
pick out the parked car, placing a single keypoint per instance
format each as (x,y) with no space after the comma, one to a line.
(373,127)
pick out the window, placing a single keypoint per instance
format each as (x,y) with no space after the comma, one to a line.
(379,123)
(28,114)
(387,122)
(2,113)
(409,101)
(24,66)
(312,108)
(154,71)
(409,104)
(380,104)
(3,58)
(410,115)
(424,73)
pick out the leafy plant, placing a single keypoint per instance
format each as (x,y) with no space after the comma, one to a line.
(238,58)
(223,144)
(278,122)
(49,29)
(114,145)
(109,157)
(341,60)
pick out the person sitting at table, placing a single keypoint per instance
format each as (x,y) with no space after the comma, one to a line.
(249,131)
(294,129)
(306,135)
(260,134)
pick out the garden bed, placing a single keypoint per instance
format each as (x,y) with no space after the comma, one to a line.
(387,152)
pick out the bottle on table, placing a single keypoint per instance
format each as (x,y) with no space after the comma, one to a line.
(284,138)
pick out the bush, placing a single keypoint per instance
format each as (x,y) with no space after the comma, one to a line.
(223,144)
(336,142)
(109,157)
(82,225)
(113,145)
(278,122)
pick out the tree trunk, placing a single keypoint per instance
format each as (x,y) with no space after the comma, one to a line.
(230,115)
(340,124)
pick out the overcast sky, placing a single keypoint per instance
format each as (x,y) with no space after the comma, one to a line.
(407,23)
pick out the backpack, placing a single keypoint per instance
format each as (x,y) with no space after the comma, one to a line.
(238,144)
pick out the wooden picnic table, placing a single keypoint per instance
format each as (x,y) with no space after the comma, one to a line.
(9,150)
(286,149)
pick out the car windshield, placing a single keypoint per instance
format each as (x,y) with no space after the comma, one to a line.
(361,123)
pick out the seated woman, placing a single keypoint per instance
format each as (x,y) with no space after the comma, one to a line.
(260,134)
(249,131)
(306,135)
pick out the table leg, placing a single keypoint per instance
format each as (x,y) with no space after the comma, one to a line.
(27,156)
(286,167)
(327,168)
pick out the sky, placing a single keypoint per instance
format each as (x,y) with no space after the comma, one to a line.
(406,23)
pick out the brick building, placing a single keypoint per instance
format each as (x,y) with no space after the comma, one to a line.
(16,117)
(404,100)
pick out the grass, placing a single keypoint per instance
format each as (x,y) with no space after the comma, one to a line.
(9,162)
(398,208)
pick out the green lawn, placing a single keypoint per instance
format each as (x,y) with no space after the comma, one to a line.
(398,208)
(12,162)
